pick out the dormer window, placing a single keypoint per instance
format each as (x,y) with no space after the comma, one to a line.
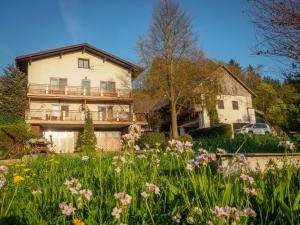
(83,63)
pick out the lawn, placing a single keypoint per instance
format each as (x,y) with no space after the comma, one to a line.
(157,186)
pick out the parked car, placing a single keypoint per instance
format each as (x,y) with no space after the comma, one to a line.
(256,128)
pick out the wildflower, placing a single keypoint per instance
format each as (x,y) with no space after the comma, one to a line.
(78,222)
(176,218)
(67,208)
(248,212)
(84,158)
(73,185)
(36,192)
(118,170)
(123,223)
(142,157)
(144,194)
(18,179)
(156,162)
(137,148)
(86,193)
(221,151)
(247,178)
(124,198)
(2,181)
(190,220)
(287,144)
(153,187)
(190,164)
(250,191)
(197,210)
(116,212)
(3,170)
(210,223)
(27,170)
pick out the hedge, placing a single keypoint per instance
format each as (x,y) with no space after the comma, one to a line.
(151,138)
(220,130)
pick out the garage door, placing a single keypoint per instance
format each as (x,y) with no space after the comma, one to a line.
(63,141)
(109,140)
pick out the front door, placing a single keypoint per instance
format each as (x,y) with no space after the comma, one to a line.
(102,113)
(86,86)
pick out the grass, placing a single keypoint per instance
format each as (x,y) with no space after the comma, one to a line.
(247,144)
(181,190)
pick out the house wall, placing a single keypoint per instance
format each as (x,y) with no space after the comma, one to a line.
(244,113)
(41,71)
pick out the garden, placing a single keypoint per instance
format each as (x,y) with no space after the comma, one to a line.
(172,184)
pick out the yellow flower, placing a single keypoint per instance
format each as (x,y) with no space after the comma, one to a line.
(27,169)
(18,179)
(51,160)
(20,165)
(78,222)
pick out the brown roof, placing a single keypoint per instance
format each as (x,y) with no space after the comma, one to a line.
(239,80)
(75,48)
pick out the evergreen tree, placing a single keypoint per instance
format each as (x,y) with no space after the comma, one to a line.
(13,90)
(88,137)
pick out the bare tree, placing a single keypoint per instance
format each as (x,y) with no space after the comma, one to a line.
(279,24)
(169,51)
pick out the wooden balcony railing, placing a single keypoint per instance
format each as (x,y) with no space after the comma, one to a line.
(45,89)
(53,115)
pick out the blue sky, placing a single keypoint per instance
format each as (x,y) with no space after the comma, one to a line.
(223,28)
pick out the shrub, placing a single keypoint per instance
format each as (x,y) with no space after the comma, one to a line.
(185,137)
(13,139)
(88,137)
(152,138)
(220,130)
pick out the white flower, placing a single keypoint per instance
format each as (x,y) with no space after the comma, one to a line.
(86,193)
(176,218)
(144,194)
(190,220)
(4,170)
(125,199)
(36,192)
(85,158)
(118,170)
(2,181)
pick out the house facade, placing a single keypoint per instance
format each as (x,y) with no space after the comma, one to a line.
(65,83)
(234,104)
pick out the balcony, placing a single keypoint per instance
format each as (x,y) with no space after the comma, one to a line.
(46,91)
(116,119)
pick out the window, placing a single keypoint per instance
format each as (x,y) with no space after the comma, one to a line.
(235,105)
(220,104)
(108,85)
(58,82)
(84,63)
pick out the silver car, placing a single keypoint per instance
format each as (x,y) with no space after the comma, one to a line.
(256,128)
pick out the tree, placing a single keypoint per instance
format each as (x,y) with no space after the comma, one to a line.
(235,68)
(279,24)
(13,90)
(169,51)
(88,137)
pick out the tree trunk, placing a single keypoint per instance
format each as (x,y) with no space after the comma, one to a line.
(174,121)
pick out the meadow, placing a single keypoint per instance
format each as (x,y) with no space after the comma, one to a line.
(151,185)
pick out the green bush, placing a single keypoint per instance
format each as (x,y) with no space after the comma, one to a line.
(151,138)
(14,136)
(185,137)
(246,144)
(220,130)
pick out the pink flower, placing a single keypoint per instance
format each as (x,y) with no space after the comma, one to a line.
(124,198)
(86,193)
(250,191)
(2,181)
(3,170)
(153,187)
(247,178)
(67,208)
(144,194)
(116,212)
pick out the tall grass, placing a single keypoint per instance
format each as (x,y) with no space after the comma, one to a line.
(181,191)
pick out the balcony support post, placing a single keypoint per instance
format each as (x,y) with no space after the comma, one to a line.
(47,89)
(118,118)
(63,115)
(100,116)
(133,117)
(44,114)
(66,90)
(101,91)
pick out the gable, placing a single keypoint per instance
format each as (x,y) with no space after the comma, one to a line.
(22,61)
(231,84)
